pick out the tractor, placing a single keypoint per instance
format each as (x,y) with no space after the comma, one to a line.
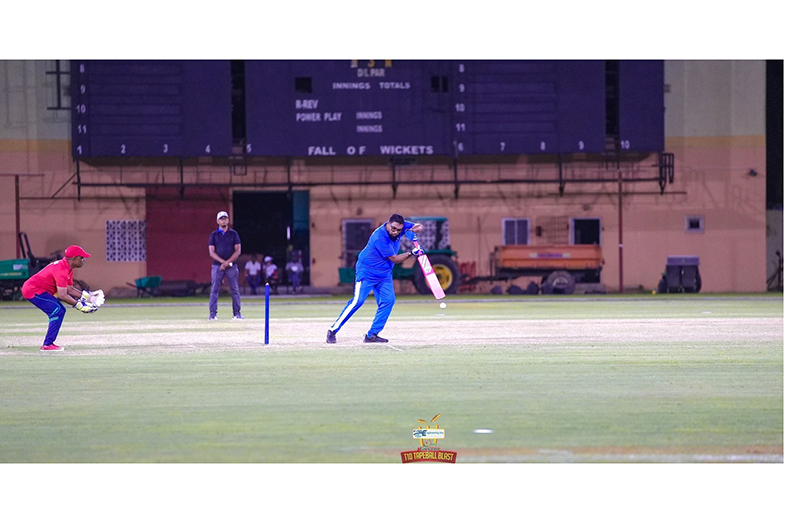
(435,241)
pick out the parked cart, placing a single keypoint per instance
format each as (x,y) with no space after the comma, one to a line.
(558,267)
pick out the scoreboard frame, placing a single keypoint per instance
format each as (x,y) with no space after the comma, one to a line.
(415,108)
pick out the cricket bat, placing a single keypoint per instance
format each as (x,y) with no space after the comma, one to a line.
(429,275)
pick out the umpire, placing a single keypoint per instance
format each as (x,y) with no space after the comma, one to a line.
(224,246)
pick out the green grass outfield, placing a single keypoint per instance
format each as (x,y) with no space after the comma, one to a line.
(616,379)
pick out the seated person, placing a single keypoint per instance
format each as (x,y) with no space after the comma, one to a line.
(294,270)
(252,271)
(272,273)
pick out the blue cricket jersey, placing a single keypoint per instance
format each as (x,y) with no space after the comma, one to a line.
(373,262)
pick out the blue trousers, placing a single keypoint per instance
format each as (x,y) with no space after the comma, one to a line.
(383,293)
(253,280)
(294,278)
(217,274)
(55,310)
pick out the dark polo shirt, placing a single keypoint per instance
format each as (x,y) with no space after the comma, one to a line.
(224,242)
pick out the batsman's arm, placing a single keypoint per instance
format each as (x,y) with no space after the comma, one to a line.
(399,258)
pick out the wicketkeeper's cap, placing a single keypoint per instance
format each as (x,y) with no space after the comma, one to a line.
(267,258)
(221,215)
(75,250)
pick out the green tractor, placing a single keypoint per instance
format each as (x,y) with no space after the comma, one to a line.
(13,274)
(435,241)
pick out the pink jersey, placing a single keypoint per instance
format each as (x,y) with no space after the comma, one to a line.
(57,274)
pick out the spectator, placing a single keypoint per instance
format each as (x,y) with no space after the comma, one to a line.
(294,270)
(253,270)
(272,274)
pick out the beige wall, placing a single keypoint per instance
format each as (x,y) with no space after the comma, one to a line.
(714,123)
(35,143)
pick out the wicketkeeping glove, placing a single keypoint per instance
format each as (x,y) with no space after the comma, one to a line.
(83,306)
(95,297)
(417,251)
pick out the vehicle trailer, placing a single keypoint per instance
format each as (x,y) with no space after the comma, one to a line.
(559,267)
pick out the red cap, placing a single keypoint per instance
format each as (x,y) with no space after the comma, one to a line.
(75,250)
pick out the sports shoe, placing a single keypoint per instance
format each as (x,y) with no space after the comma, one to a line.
(331,337)
(212,317)
(374,339)
(51,348)
(237,317)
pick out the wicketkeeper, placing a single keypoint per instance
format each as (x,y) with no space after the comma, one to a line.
(53,283)
(374,271)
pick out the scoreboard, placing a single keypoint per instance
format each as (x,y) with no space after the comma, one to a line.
(528,107)
(344,108)
(642,107)
(347,108)
(151,108)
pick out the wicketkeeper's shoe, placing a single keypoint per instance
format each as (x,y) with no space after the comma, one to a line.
(331,337)
(51,348)
(212,317)
(374,339)
(237,317)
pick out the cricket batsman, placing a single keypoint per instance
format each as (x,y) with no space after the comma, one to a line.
(53,283)
(374,272)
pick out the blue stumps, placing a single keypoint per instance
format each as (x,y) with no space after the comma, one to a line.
(266,324)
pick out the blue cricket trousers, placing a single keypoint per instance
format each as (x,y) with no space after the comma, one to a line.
(54,310)
(383,293)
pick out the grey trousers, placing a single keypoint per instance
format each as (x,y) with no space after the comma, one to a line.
(217,275)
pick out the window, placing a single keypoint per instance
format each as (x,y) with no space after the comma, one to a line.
(356,234)
(125,240)
(58,85)
(694,224)
(515,231)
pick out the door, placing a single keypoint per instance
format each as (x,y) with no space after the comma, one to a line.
(586,231)
(272,224)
